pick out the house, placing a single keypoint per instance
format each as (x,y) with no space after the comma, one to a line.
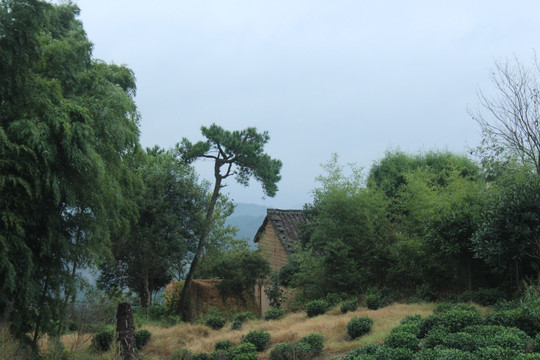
(276,238)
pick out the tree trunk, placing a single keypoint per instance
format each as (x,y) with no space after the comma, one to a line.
(469,272)
(183,304)
(516,269)
(125,331)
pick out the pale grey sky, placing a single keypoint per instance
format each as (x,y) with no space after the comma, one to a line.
(354,78)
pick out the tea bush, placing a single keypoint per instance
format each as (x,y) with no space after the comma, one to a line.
(359,326)
(103,339)
(245,351)
(484,297)
(201,356)
(315,342)
(223,345)
(316,307)
(216,322)
(259,338)
(349,305)
(141,338)
(273,314)
(236,324)
(282,351)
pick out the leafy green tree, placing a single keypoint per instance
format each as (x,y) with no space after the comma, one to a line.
(348,235)
(170,207)
(237,153)
(240,270)
(68,123)
(509,233)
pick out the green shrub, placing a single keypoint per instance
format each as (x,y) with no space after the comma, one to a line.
(182,354)
(282,351)
(455,320)
(374,301)
(243,316)
(413,320)
(273,314)
(518,317)
(245,351)
(484,297)
(443,354)
(103,339)
(216,322)
(141,338)
(365,352)
(316,307)
(303,351)
(222,354)
(445,307)
(496,353)
(388,353)
(223,345)
(332,299)
(236,324)
(315,341)
(359,326)
(259,338)
(401,338)
(349,305)
(201,356)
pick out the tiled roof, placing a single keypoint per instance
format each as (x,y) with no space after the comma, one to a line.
(286,224)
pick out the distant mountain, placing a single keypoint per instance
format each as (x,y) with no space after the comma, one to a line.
(247,218)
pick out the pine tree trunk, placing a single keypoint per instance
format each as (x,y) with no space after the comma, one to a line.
(183,304)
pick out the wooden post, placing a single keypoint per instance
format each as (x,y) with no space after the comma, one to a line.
(125,331)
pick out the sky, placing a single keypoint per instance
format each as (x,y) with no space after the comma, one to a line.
(356,78)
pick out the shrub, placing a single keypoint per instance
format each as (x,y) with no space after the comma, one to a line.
(282,351)
(103,339)
(236,324)
(141,338)
(359,326)
(484,297)
(259,338)
(273,314)
(412,319)
(316,307)
(518,317)
(315,341)
(332,299)
(455,320)
(245,351)
(243,316)
(223,345)
(443,354)
(373,301)
(182,354)
(200,356)
(401,338)
(216,322)
(363,352)
(388,353)
(222,354)
(349,305)
(495,353)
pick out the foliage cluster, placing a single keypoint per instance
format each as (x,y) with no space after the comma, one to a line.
(273,314)
(307,348)
(259,338)
(458,331)
(316,307)
(359,326)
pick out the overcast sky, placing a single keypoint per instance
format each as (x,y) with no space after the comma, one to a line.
(354,78)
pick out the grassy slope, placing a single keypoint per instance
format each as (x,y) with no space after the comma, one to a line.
(333,326)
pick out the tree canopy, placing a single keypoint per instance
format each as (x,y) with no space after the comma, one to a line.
(67,124)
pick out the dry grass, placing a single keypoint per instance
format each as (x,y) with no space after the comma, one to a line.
(333,325)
